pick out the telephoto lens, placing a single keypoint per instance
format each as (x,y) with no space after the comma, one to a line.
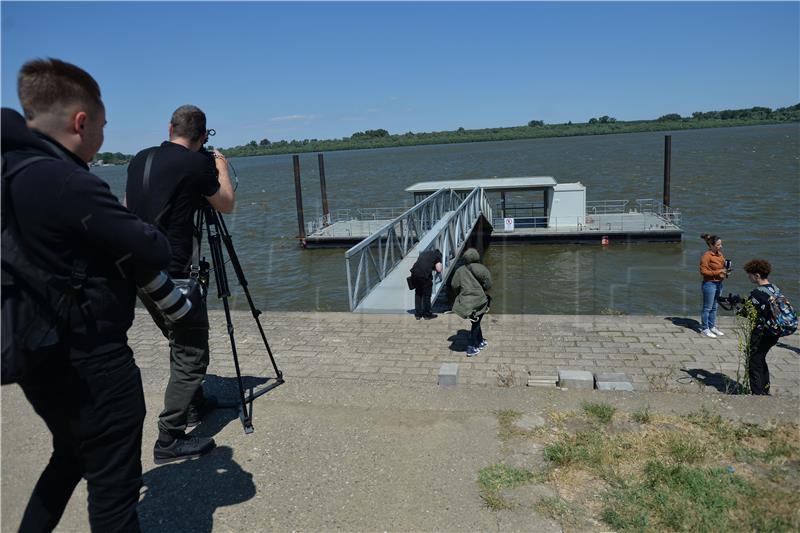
(167,297)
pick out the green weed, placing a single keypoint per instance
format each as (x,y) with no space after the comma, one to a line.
(493,479)
(676,497)
(642,416)
(602,412)
(684,449)
(559,510)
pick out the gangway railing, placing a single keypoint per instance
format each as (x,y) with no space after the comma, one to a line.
(451,240)
(369,261)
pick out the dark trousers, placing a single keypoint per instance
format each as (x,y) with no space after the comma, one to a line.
(95,410)
(188,362)
(423,287)
(476,334)
(760,344)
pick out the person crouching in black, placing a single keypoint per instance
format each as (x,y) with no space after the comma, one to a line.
(421,276)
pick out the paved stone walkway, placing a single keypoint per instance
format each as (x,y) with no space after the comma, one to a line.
(656,353)
(360,437)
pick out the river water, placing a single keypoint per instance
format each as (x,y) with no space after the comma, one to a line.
(740,183)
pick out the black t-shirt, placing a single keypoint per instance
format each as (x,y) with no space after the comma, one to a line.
(180,180)
(426,263)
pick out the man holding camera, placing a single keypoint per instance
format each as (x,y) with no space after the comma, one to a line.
(86,386)
(166,186)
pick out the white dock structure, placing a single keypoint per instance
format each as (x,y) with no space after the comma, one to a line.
(447,212)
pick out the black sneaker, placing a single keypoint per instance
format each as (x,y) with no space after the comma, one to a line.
(196,414)
(183,447)
(430,316)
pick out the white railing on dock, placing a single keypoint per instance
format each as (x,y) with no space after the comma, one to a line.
(605,207)
(357,214)
(668,214)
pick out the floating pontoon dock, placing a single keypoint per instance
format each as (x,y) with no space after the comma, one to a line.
(448,214)
(558,213)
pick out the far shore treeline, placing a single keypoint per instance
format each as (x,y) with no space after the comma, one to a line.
(534,129)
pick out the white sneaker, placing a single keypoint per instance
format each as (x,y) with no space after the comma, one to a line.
(717,332)
(707,333)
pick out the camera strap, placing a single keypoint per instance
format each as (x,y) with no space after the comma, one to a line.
(148,163)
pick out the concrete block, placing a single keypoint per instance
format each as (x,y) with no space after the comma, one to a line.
(613,381)
(448,374)
(575,379)
(543,380)
(546,384)
(615,385)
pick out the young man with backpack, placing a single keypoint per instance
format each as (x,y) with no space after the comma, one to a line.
(775,319)
(63,220)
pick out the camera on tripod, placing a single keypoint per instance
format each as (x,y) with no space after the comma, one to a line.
(730,302)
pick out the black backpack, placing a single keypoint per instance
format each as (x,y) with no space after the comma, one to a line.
(36,304)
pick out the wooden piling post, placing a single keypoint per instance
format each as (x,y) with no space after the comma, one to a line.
(667,166)
(298,195)
(326,214)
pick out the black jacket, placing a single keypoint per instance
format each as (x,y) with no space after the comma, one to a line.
(63,212)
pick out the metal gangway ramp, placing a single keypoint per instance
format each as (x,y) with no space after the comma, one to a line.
(378,266)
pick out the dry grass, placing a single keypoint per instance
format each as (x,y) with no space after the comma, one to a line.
(645,471)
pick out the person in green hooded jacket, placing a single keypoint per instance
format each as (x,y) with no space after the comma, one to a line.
(470,283)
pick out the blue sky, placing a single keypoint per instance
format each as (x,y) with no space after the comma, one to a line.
(308,70)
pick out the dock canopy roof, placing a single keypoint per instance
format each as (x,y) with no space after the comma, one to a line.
(488,184)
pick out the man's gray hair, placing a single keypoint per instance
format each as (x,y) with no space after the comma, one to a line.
(189,121)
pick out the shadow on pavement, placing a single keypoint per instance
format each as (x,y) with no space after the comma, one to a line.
(226,390)
(459,341)
(184,496)
(688,323)
(791,348)
(721,382)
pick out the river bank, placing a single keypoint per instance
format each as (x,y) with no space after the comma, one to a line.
(604,126)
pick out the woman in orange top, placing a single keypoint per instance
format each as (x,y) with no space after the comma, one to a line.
(712,268)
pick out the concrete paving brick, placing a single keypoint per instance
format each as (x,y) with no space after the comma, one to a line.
(448,375)
(575,379)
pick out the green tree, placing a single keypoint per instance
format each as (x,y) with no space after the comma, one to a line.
(535,123)
(264,142)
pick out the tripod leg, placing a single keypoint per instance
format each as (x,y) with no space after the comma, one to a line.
(221,278)
(237,267)
(245,415)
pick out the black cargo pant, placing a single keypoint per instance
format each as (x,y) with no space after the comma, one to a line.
(760,343)
(423,287)
(476,333)
(95,410)
(188,362)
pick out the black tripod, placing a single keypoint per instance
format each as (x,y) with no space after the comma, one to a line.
(218,234)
